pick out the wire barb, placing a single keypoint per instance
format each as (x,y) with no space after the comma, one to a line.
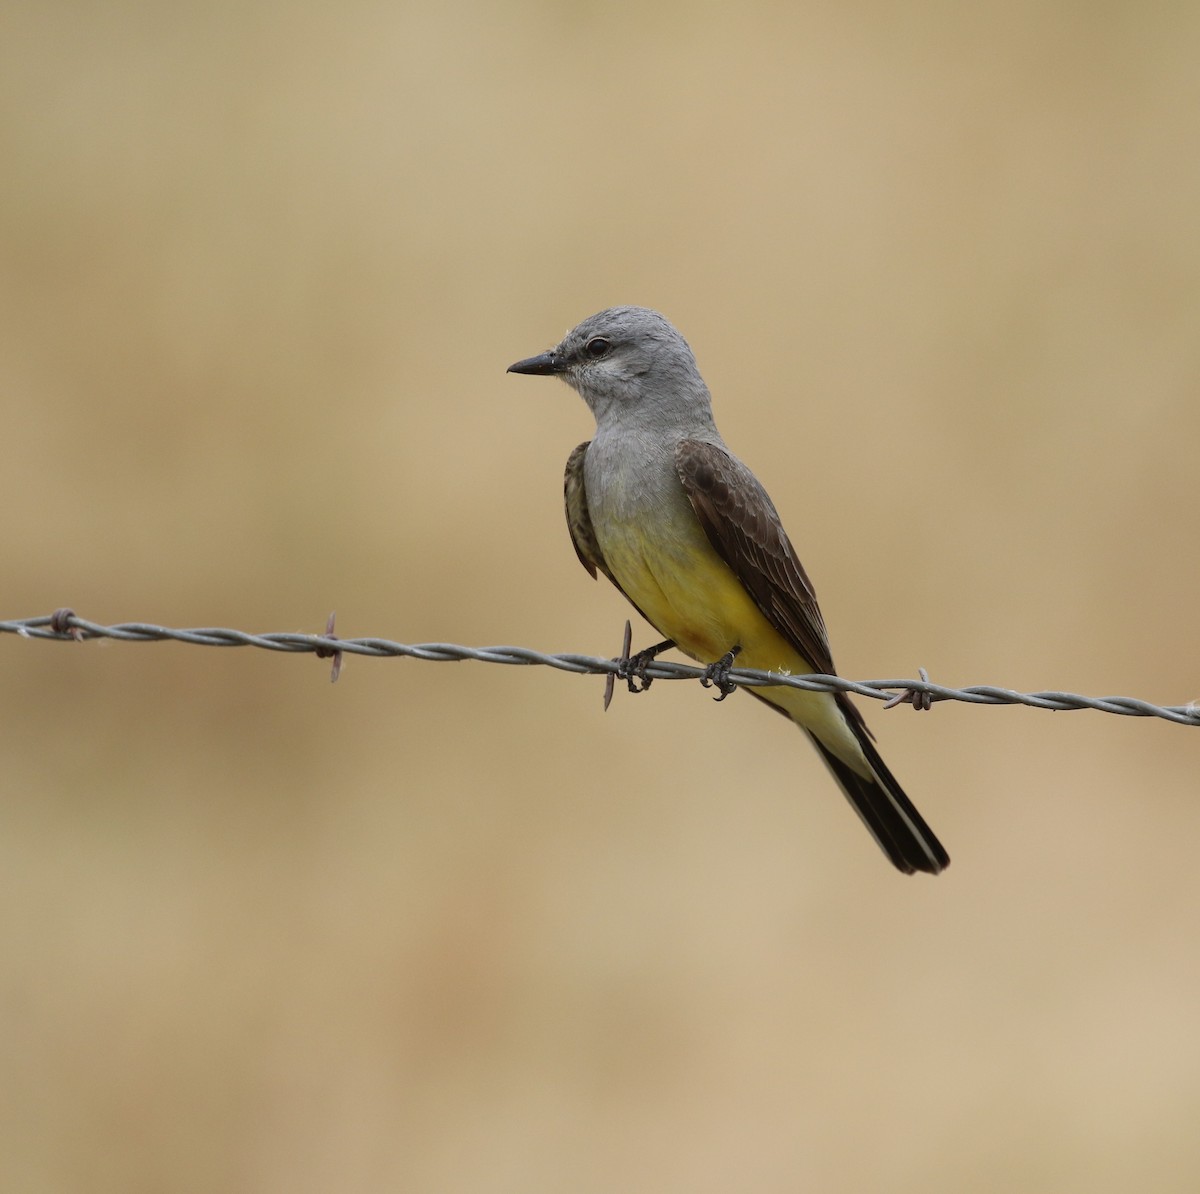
(611,679)
(65,626)
(334,653)
(922,702)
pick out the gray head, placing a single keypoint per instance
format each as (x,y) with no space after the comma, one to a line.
(632,368)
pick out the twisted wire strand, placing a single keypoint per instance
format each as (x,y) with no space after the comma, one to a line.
(66,626)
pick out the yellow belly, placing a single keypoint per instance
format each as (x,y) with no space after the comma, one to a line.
(693,598)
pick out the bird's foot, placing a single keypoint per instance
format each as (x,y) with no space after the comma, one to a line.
(716,675)
(632,668)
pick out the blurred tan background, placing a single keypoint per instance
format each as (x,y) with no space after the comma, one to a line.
(445,928)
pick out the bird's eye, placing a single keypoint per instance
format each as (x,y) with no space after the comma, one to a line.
(597,347)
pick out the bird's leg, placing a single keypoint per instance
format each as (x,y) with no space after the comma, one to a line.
(717,674)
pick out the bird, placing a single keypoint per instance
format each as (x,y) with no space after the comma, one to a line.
(684,530)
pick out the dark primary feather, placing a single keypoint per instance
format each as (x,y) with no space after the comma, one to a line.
(885,810)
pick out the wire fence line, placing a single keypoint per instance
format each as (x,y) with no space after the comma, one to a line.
(65,626)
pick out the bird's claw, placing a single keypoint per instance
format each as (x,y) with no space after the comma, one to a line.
(632,668)
(716,675)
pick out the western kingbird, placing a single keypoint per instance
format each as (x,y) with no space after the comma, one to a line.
(659,504)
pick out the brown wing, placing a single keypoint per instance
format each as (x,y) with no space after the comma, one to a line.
(744,529)
(742,525)
(579,521)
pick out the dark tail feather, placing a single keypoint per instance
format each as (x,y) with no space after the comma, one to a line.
(885,810)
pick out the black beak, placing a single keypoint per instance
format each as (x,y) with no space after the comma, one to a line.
(545,364)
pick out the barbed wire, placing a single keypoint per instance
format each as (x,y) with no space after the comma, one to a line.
(65,626)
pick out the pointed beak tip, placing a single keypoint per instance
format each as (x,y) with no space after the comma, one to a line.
(544,364)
